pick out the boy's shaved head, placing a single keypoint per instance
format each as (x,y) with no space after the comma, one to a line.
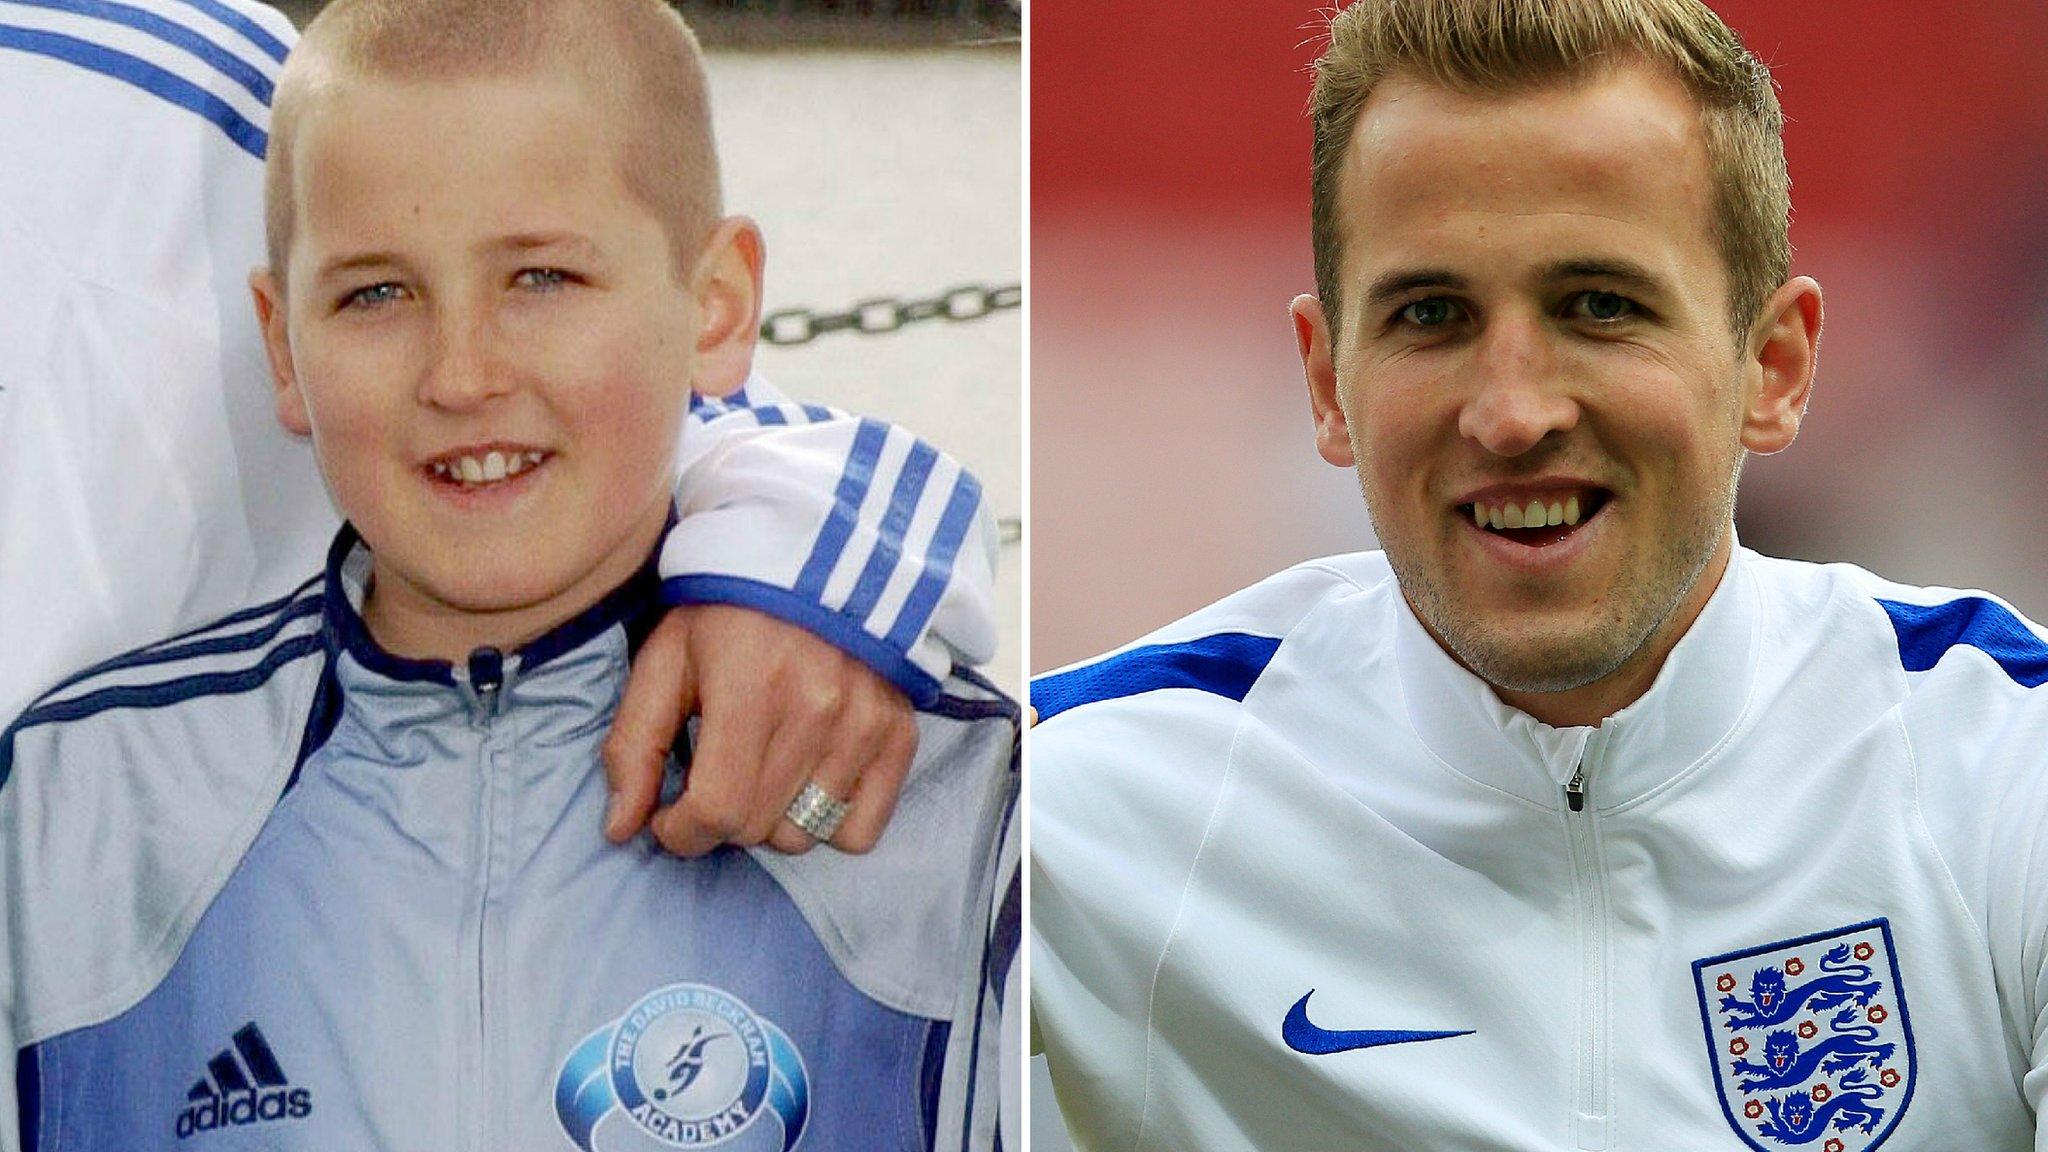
(638,54)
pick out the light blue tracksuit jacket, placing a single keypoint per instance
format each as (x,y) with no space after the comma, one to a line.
(271,887)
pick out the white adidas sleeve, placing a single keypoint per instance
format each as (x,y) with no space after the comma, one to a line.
(851,527)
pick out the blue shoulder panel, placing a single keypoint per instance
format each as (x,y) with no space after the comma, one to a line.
(1928,631)
(1224,664)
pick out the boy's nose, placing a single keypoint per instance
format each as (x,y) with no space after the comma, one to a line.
(462,369)
(1516,400)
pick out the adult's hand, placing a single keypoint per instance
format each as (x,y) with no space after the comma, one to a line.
(780,707)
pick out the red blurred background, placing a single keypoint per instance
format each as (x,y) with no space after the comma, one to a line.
(1171,451)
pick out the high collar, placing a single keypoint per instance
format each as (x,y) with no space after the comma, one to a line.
(1698,699)
(574,663)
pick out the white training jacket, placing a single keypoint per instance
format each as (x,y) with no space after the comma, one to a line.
(1300,881)
(145,485)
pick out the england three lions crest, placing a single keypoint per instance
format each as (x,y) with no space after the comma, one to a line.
(1809,1039)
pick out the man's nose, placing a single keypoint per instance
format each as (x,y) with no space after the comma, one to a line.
(1518,398)
(463,368)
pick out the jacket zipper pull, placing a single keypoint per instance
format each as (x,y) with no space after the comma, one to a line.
(486,676)
(1575,789)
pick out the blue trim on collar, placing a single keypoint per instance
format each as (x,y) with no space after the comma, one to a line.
(347,633)
(631,604)
(1223,664)
(1927,631)
(634,604)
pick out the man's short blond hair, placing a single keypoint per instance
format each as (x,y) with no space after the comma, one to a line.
(639,51)
(1481,47)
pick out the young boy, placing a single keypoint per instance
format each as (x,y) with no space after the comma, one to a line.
(375,912)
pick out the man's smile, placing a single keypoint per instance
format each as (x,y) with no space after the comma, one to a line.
(1534,515)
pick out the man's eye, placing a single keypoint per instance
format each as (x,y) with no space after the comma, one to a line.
(1603,306)
(543,279)
(373,295)
(1434,312)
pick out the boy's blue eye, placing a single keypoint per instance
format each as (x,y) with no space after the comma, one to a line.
(1434,312)
(1605,307)
(373,295)
(542,278)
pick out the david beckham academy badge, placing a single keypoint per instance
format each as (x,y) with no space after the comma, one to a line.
(689,1066)
(1809,1039)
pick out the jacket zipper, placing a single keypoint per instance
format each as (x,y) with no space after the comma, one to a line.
(486,686)
(1590,1104)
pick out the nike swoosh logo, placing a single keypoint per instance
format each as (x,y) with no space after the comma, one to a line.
(1306,1038)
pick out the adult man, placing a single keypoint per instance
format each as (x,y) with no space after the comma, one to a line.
(1564,822)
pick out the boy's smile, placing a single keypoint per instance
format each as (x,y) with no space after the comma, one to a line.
(482,476)
(490,344)
(470,469)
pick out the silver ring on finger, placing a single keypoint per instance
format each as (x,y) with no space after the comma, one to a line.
(817,812)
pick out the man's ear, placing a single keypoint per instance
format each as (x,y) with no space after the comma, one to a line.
(1778,374)
(727,286)
(1312,337)
(270,313)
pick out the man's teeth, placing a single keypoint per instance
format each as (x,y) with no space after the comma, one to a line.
(487,469)
(1534,514)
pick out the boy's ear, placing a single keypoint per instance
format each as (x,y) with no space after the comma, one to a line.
(727,287)
(270,313)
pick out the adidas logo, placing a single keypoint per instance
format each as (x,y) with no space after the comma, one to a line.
(250,1090)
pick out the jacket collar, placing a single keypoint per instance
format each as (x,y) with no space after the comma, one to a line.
(570,652)
(1695,705)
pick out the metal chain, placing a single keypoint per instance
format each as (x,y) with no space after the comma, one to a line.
(872,317)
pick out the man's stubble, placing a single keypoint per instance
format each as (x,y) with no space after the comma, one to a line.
(1631,614)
